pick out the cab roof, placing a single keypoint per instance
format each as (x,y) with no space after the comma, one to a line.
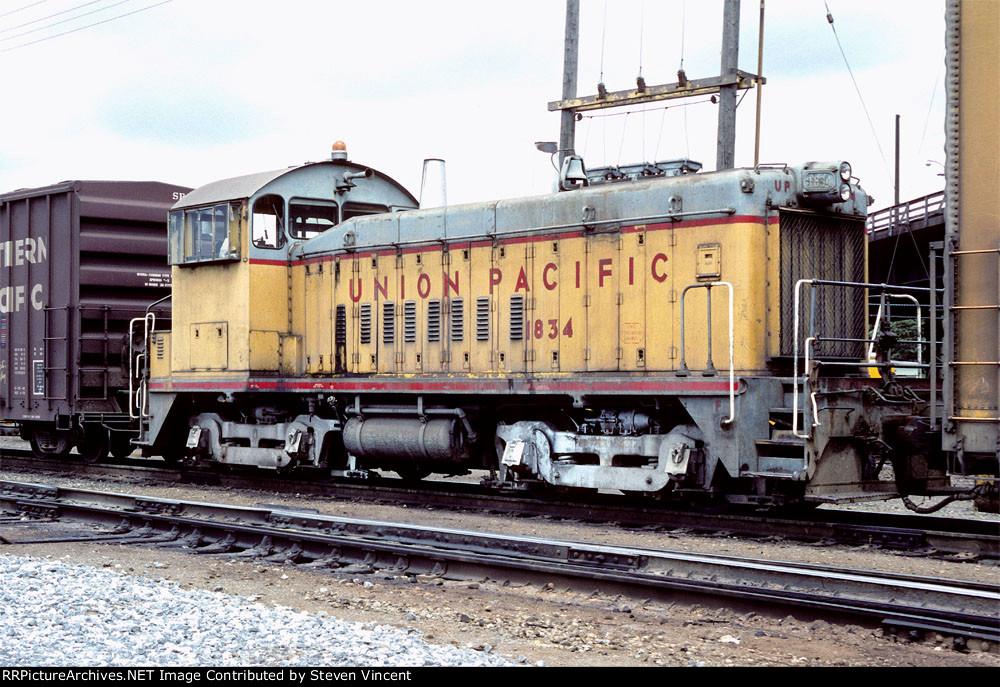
(247,186)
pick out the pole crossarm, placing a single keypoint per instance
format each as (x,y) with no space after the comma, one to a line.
(692,87)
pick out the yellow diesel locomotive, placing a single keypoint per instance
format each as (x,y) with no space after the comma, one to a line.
(653,330)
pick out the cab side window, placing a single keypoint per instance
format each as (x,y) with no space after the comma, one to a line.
(204,234)
(311,217)
(267,225)
(356,209)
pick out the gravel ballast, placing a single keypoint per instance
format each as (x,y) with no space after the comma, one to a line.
(61,614)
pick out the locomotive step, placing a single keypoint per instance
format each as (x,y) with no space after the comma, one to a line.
(772,475)
(798,443)
(781,449)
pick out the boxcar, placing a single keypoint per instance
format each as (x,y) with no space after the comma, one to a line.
(78,261)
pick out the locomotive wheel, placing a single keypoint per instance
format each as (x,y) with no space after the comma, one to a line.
(93,447)
(412,474)
(48,445)
(173,457)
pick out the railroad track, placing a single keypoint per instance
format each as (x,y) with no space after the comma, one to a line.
(954,538)
(912,604)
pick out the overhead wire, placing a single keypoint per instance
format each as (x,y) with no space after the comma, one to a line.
(54,14)
(81,28)
(63,21)
(654,109)
(19,9)
(895,247)
(930,106)
(829,19)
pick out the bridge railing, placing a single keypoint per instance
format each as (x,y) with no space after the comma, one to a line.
(905,213)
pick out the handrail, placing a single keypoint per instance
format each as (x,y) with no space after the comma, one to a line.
(683,371)
(878,320)
(810,342)
(795,358)
(813,338)
(138,402)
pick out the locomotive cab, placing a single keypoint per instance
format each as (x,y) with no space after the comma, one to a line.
(230,244)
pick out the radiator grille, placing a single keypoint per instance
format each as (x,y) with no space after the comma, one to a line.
(340,327)
(433,320)
(457,319)
(366,323)
(410,321)
(483,319)
(829,248)
(388,323)
(516,318)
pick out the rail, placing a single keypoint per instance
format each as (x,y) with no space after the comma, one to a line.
(959,608)
(710,371)
(907,214)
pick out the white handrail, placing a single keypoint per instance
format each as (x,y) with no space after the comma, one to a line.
(916,303)
(732,377)
(732,373)
(131,373)
(135,401)
(810,342)
(795,359)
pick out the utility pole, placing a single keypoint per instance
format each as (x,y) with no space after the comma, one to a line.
(725,157)
(760,70)
(726,85)
(571,51)
(896,198)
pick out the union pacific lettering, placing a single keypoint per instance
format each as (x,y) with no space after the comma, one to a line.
(550,279)
(427,287)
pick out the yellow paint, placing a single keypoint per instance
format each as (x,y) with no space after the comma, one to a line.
(600,302)
(264,348)
(159,365)
(632,320)
(596,302)
(210,293)
(482,354)
(209,345)
(772,250)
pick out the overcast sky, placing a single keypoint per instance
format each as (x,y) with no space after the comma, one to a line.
(190,91)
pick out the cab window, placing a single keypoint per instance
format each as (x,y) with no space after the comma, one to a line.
(310,218)
(356,209)
(204,234)
(267,226)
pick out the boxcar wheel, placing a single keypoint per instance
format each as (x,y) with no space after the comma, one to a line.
(48,445)
(93,447)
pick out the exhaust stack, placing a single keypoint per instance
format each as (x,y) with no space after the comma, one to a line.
(433,193)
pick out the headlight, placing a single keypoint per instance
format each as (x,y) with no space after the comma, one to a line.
(845,171)
(845,191)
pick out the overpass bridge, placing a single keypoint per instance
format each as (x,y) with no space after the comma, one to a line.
(899,239)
